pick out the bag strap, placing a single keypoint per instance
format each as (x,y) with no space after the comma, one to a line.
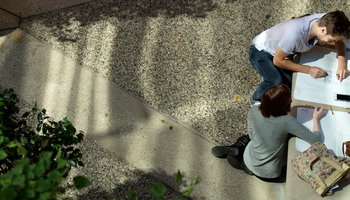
(317,178)
(328,161)
(332,163)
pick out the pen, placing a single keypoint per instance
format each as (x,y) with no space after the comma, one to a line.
(331,110)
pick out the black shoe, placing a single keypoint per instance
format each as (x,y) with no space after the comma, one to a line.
(236,149)
(235,163)
(241,144)
(223,151)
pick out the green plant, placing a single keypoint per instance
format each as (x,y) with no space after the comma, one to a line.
(33,161)
(36,181)
(18,139)
(159,190)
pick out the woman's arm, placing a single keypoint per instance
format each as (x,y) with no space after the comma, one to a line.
(296,128)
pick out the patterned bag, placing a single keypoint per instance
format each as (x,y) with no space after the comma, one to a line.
(320,168)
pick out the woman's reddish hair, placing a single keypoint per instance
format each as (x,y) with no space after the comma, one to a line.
(275,101)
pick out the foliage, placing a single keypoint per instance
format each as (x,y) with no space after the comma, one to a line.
(159,190)
(36,181)
(162,121)
(18,140)
(33,161)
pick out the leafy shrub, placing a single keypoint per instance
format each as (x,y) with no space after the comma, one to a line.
(36,181)
(18,140)
(33,161)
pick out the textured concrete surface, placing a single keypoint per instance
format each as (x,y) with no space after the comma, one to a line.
(8,20)
(25,8)
(5,32)
(12,11)
(186,58)
(120,122)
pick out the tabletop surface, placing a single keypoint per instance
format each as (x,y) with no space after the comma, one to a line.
(295,187)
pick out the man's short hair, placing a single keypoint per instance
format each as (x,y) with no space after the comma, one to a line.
(275,101)
(337,24)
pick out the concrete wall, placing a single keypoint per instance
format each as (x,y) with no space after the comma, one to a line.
(12,11)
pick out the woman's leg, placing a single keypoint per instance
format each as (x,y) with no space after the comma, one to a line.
(234,153)
(235,163)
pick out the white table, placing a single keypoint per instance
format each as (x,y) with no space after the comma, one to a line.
(295,187)
(335,127)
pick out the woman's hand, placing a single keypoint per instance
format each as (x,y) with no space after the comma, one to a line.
(318,113)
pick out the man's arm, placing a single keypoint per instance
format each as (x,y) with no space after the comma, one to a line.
(279,60)
(342,71)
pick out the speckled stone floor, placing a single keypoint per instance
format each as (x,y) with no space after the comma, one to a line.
(186,58)
(111,177)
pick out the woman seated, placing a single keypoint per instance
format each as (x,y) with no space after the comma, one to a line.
(263,152)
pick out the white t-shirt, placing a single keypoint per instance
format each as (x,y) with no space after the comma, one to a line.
(291,36)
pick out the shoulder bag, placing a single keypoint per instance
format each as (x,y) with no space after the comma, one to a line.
(320,168)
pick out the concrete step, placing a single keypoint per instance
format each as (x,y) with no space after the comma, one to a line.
(8,22)
(25,8)
(121,123)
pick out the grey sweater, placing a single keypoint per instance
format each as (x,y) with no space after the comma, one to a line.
(266,153)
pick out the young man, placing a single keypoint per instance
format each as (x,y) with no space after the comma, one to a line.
(270,49)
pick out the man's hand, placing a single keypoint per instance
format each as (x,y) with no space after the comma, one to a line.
(342,73)
(316,72)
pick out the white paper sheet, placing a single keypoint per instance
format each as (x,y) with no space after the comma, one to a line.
(335,129)
(321,90)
